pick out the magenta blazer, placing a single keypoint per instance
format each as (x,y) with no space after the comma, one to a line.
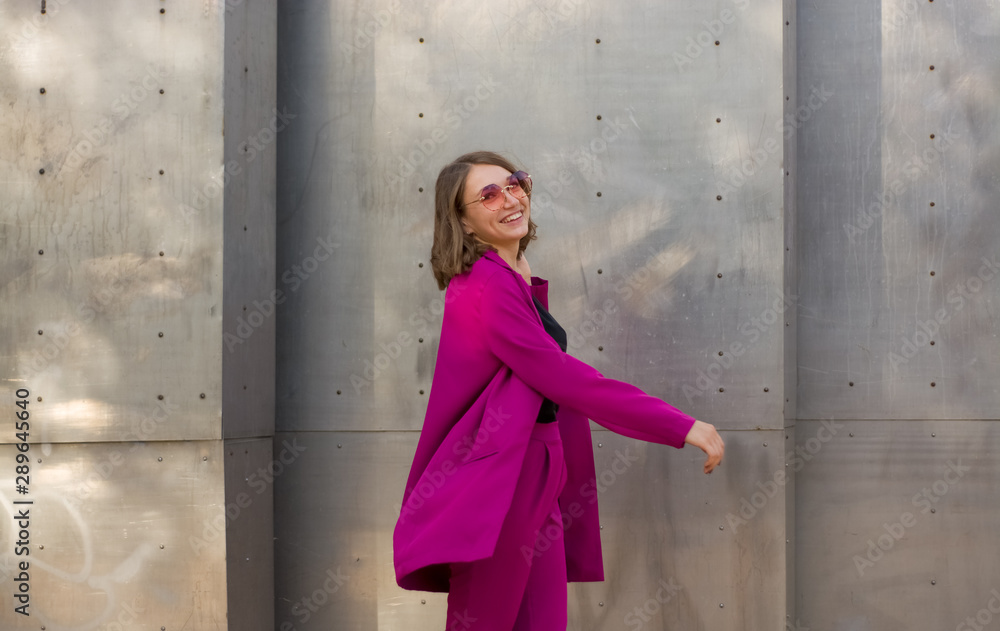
(495,363)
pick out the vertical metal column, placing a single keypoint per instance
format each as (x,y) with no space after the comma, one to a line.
(135,226)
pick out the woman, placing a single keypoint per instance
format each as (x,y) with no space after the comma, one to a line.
(499,508)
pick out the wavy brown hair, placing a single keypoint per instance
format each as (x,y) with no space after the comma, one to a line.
(454,251)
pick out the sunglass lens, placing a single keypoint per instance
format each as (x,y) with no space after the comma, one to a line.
(521,184)
(492,197)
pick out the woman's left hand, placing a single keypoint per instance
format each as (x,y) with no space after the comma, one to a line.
(705,437)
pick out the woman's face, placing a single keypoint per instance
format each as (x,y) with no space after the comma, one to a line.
(502,228)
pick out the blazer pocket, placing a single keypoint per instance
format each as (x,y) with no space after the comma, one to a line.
(481,454)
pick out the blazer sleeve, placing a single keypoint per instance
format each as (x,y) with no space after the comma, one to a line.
(516,336)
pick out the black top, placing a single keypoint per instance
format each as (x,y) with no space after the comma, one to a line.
(547,413)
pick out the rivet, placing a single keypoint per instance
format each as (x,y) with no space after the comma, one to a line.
(41,171)
(248,559)
(420,115)
(721,605)
(163,10)
(421,391)
(42,91)
(161,171)
(718,120)
(160,459)
(161,91)
(932,342)
(933,383)
(720,353)
(600,270)
(160,334)
(932,272)
(598,117)
(598,193)
(932,136)
(767,389)
(420,340)
(204,458)
(600,348)
(597,41)
(423,602)
(202,395)
(850,383)
(420,264)
(600,604)
(933,582)
(716,42)
(244,228)
(599,445)
(933,510)
(786,23)
(338,392)
(933,435)
(765,444)
(41,251)
(932,67)
(719,275)
(161,546)
(718,198)
(420,190)
(421,40)
(722,389)
(161,252)
(159,397)
(39,331)
(932,204)
(41,547)
(722,527)
(851,434)
(339,445)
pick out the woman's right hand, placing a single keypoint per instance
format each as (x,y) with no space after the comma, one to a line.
(704,437)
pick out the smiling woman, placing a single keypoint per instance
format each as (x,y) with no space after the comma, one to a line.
(505,444)
(467,220)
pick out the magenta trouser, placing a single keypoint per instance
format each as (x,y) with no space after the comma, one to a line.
(522,587)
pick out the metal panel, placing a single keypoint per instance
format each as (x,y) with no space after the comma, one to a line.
(111,224)
(632,126)
(253,125)
(628,166)
(896,525)
(250,472)
(897,182)
(113,284)
(663,520)
(124,534)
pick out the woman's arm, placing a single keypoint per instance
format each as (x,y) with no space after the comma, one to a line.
(516,337)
